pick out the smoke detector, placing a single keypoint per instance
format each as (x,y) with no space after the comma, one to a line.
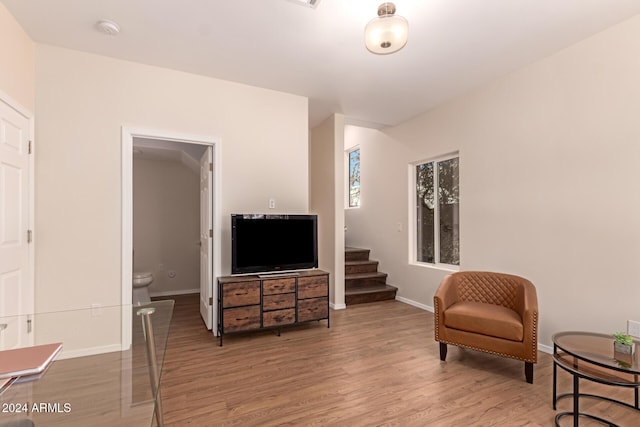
(108,27)
(309,3)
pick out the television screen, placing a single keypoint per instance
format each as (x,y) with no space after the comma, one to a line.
(271,243)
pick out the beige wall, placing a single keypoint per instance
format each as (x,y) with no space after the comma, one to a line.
(166,225)
(326,160)
(83,101)
(550,168)
(17,73)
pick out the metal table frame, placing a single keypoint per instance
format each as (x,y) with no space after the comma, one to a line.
(577,363)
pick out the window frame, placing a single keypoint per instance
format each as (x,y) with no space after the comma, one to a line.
(347,198)
(413,214)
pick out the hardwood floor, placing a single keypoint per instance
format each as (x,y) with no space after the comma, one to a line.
(378,365)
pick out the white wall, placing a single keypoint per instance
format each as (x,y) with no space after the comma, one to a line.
(166,225)
(326,164)
(83,100)
(17,73)
(550,166)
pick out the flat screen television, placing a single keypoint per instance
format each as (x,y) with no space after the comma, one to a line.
(273,243)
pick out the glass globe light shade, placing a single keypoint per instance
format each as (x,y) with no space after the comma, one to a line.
(386,34)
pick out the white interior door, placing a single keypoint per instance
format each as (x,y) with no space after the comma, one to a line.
(16,281)
(206,238)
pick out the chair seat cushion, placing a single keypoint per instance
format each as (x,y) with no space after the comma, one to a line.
(485,319)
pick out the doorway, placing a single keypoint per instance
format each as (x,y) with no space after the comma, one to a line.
(17,286)
(207,150)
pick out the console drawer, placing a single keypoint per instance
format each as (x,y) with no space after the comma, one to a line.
(313,309)
(279,286)
(244,293)
(278,301)
(313,287)
(241,318)
(279,317)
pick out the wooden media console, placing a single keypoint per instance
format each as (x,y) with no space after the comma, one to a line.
(251,303)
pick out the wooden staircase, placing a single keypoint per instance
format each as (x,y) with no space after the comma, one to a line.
(363,282)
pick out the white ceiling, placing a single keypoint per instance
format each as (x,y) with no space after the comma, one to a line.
(454,45)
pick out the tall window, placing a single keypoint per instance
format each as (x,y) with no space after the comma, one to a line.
(354,178)
(438,211)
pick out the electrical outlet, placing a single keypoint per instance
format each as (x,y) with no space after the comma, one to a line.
(272,203)
(633,328)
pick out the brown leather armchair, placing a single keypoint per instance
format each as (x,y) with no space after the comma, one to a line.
(492,312)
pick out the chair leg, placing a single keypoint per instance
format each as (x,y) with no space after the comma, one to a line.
(528,372)
(443,351)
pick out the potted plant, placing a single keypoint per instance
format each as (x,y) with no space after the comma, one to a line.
(623,343)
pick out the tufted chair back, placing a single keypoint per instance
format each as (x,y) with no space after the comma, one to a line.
(490,288)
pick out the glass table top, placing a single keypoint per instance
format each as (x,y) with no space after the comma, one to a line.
(597,349)
(102,377)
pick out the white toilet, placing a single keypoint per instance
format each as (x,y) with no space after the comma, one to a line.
(141,282)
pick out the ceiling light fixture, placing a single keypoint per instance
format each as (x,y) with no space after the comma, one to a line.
(388,32)
(108,27)
(309,3)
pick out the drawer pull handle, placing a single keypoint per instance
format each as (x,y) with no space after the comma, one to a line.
(242,318)
(242,293)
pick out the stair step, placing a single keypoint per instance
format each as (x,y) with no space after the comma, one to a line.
(370,294)
(363,280)
(355,267)
(356,254)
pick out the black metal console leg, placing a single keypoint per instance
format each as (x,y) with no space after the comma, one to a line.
(443,351)
(528,372)
(576,400)
(555,386)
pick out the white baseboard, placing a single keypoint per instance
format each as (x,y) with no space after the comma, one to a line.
(170,293)
(90,351)
(337,306)
(545,349)
(541,347)
(414,303)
